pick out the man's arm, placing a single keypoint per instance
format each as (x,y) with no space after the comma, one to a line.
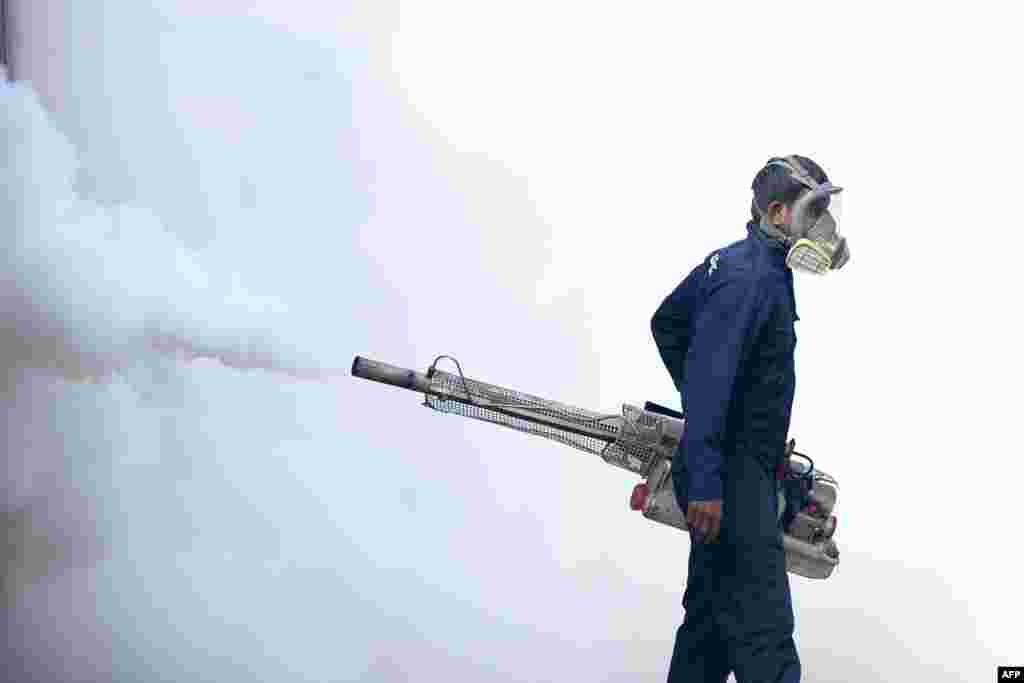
(670,326)
(722,330)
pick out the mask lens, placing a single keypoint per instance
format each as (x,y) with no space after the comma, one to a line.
(823,229)
(835,207)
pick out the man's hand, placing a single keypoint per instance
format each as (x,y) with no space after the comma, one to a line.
(704,517)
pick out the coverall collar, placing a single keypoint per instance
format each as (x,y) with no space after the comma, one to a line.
(773,253)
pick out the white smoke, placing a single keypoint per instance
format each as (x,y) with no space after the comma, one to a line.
(89,288)
(155,509)
(124,276)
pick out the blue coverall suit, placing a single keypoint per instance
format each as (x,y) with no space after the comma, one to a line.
(727,337)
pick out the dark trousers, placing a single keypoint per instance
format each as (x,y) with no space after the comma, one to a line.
(739,612)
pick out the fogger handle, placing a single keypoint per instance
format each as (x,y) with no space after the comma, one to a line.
(390,374)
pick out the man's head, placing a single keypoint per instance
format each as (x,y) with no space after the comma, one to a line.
(775,190)
(793,204)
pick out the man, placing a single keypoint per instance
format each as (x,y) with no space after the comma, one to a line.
(726,335)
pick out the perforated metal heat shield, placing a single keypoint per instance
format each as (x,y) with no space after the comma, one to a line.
(588,431)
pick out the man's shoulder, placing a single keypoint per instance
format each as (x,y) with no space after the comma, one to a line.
(731,263)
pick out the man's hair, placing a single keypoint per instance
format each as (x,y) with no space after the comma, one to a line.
(774,184)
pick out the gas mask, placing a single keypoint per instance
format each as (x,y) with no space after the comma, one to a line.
(815,245)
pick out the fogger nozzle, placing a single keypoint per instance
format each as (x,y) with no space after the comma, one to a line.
(390,374)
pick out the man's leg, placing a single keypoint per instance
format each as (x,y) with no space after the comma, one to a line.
(756,618)
(699,655)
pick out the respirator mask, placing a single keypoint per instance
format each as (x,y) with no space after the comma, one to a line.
(815,244)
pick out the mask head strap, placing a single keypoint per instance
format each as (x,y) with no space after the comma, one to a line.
(796,171)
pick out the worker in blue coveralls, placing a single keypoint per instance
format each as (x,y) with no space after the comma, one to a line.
(726,335)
